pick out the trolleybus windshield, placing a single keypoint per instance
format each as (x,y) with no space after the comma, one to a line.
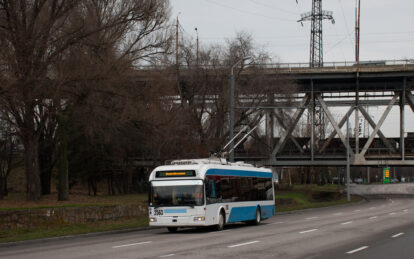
(177,193)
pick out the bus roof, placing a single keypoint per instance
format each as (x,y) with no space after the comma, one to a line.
(199,168)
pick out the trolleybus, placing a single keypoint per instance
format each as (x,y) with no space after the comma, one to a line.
(209,192)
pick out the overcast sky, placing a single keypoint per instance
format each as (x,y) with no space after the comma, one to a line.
(387,32)
(386,26)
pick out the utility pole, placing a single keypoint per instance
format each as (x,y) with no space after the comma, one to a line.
(348,167)
(316,16)
(357,17)
(357,35)
(197,60)
(176,43)
(177,68)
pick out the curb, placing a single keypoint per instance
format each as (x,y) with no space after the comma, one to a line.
(58,238)
(364,199)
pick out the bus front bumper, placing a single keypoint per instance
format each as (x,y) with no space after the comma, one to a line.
(177,221)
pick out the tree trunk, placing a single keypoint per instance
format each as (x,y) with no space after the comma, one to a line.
(45,179)
(5,186)
(2,194)
(63,185)
(33,187)
(45,167)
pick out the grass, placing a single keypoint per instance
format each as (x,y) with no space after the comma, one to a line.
(74,229)
(311,196)
(16,201)
(318,188)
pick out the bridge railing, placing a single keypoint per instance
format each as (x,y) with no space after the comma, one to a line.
(289,66)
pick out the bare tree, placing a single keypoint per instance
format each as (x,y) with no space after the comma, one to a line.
(37,38)
(204,91)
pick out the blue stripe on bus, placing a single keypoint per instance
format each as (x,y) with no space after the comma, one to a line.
(227,172)
(267,211)
(175,211)
(249,213)
(242,214)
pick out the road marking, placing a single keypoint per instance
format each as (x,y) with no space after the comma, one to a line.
(346,223)
(243,244)
(307,231)
(392,213)
(373,217)
(372,208)
(134,244)
(275,223)
(405,210)
(357,250)
(168,255)
(337,214)
(357,210)
(312,218)
(397,235)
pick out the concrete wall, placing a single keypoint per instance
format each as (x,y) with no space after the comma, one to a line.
(50,217)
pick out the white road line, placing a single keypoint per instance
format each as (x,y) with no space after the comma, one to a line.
(134,244)
(275,223)
(392,213)
(307,231)
(168,255)
(312,218)
(337,214)
(357,210)
(372,208)
(346,223)
(405,210)
(397,235)
(357,250)
(243,244)
(373,217)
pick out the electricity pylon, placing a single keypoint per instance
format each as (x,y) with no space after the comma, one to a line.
(316,16)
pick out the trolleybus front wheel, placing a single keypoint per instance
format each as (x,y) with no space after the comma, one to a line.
(220,225)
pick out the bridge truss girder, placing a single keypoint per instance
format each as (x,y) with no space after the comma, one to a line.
(359,156)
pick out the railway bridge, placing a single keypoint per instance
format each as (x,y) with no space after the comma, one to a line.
(355,89)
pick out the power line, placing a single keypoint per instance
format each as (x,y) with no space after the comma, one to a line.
(276,8)
(248,12)
(352,40)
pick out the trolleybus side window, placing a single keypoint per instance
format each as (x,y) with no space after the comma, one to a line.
(227,189)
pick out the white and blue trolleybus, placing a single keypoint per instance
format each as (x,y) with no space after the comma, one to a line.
(209,192)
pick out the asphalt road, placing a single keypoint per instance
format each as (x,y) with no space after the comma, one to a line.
(381,228)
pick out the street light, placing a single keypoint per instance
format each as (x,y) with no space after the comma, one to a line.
(232,104)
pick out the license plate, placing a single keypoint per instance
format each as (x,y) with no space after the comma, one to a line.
(158,212)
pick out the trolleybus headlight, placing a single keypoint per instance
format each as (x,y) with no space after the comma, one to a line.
(153,219)
(199,218)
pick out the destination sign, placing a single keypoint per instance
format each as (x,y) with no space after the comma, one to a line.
(165,174)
